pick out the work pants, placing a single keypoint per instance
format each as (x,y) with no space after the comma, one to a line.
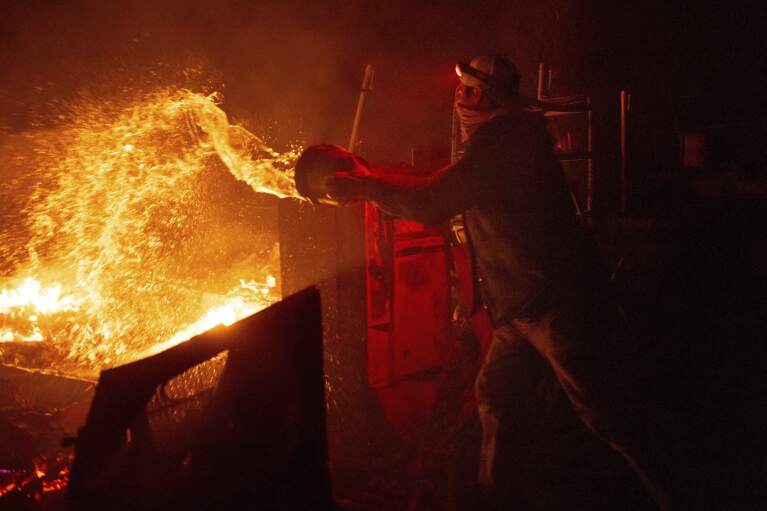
(578,345)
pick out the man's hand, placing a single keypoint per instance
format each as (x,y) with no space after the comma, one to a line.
(332,175)
(348,184)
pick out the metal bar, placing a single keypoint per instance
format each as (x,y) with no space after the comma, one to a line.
(574,156)
(590,162)
(454,129)
(562,113)
(549,80)
(623,184)
(367,86)
(577,206)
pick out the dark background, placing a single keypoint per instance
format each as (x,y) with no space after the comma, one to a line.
(291,69)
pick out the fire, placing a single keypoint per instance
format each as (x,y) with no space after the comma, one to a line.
(226,314)
(122,249)
(30,300)
(31,294)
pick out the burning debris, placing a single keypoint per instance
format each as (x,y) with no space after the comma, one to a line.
(117,236)
(42,486)
(36,412)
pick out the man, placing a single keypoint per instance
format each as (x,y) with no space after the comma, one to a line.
(537,271)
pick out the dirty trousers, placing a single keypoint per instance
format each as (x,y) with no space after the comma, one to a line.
(581,345)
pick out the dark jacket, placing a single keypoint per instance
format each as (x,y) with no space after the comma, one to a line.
(528,246)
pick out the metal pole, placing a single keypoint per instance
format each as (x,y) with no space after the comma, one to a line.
(623,184)
(589,162)
(548,81)
(454,129)
(541,71)
(367,86)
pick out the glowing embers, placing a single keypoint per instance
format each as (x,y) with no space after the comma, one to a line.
(39,485)
(135,231)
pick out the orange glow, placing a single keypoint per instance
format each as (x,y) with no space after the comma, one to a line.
(115,266)
(43,480)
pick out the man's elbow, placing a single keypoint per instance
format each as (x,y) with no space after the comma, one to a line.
(416,213)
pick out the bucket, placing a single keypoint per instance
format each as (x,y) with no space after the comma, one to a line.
(316,164)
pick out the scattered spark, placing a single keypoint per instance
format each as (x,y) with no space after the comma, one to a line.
(111,268)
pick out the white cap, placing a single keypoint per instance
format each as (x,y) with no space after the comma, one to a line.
(490,71)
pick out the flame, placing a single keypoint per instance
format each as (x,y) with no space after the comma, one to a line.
(31,300)
(226,314)
(121,250)
(46,478)
(32,294)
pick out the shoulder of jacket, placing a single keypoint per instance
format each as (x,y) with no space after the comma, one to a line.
(519,125)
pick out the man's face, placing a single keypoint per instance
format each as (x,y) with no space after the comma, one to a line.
(467,96)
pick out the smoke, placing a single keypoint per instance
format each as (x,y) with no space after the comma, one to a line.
(292,68)
(288,70)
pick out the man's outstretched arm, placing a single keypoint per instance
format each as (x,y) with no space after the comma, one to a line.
(430,198)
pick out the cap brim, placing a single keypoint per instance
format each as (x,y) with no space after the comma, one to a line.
(465,75)
(469,81)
